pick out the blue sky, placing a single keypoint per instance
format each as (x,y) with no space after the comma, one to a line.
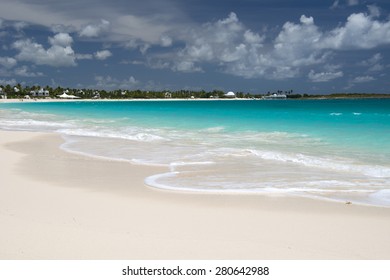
(241,45)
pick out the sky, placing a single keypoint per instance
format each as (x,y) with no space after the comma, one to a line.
(255,46)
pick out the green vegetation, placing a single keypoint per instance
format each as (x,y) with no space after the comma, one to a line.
(19,92)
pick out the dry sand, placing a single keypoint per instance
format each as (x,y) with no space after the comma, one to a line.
(57,205)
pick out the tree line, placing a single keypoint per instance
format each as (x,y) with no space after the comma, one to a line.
(18,91)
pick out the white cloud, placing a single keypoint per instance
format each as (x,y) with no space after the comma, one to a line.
(186,66)
(144,48)
(137,44)
(166,41)
(108,82)
(373,63)
(376,58)
(352,2)
(144,29)
(25,72)
(242,52)
(363,79)
(221,41)
(324,76)
(376,68)
(374,10)
(19,25)
(8,62)
(61,39)
(335,4)
(296,44)
(360,31)
(81,56)
(343,3)
(147,21)
(95,30)
(8,82)
(359,80)
(102,55)
(59,54)
(225,41)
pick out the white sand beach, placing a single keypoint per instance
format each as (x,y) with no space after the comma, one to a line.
(57,205)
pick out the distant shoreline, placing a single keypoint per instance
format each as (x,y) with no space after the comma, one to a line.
(310,97)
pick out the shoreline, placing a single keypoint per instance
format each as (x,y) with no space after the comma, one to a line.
(57,205)
(123,99)
(15,100)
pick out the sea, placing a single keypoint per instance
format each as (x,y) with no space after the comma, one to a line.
(331,149)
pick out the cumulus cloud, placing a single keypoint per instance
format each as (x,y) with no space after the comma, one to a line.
(95,30)
(296,44)
(242,52)
(102,55)
(226,41)
(361,31)
(61,39)
(59,54)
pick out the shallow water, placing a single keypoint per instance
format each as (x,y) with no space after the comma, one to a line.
(331,149)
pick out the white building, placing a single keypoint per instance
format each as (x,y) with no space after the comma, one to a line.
(67,96)
(230,94)
(3,94)
(40,93)
(96,95)
(275,96)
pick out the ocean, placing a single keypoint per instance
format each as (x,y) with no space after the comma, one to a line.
(327,149)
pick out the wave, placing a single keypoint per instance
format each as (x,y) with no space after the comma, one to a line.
(152,181)
(324,163)
(33,125)
(105,133)
(381,197)
(215,129)
(332,190)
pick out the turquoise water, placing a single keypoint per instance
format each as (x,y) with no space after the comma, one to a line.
(330,149)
